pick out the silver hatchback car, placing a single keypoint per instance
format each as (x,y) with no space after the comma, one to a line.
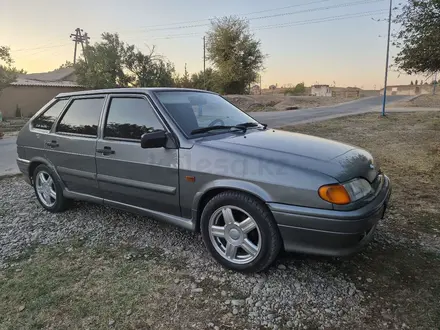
(192,159)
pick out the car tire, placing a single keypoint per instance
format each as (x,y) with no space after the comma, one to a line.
(240,232)
(48,189)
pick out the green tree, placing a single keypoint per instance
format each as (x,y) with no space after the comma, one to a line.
(418,39)
(67,64)
(212,80)
(114,63)
(147,70)
(185,80)
(8,73)
(299,89)
(235,54)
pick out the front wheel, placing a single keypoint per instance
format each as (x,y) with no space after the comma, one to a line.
(240,232)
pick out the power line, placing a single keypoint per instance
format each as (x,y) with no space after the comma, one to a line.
(288,24)
(343,5)
(245,14)
(321,20)
(41,47)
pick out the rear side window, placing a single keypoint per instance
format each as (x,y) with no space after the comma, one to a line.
(129,118)
(82,117)
(48,118)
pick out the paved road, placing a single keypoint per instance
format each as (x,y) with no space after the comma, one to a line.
(283,118)
(8,151)
(8,154)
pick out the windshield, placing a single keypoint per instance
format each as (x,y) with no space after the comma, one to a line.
(193,110)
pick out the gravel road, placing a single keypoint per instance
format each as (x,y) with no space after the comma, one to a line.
(297,292)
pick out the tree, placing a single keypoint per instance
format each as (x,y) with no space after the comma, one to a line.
(412,83)
(67,64)
(212,80)
(299,89)
(185,80)
(114,63)
(418,40)
(417,82)
(235,54)
(8,73)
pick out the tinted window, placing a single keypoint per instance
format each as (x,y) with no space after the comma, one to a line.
(46,120)
(129,118)
(82,117)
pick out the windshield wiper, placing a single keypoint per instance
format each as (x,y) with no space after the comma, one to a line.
(250,124)
(242,126)
(215,127)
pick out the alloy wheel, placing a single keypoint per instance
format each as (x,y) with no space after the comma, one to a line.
(45,188)
(235,234)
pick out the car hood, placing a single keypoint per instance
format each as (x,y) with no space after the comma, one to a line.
(338,160)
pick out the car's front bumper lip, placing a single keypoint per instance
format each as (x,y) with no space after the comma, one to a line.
(330,232)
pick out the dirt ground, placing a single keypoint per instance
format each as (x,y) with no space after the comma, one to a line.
(405,276)
(278,102)
(97,268)
(423,101)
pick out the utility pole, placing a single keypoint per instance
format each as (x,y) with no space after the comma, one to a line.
(78,37)
(260,84)
(204,62)
(76,40)
(387,60)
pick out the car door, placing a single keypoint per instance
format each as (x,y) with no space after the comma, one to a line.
(127,174)
(71,144)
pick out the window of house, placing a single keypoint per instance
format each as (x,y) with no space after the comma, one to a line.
(129,118)
(48,118)
(82,117)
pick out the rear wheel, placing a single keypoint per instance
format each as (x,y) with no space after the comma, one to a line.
(48,189)
(240,232)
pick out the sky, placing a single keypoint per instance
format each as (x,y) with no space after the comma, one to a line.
(331,42)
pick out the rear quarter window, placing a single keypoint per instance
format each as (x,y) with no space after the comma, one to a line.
(47,118)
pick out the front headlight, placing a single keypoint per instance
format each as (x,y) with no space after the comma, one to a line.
(345,193)
(357,189)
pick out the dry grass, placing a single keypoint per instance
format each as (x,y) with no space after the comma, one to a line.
(423,101)
(405,278)
(277,102)
(82,288)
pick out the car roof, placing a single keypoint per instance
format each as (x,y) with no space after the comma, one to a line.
(129,91)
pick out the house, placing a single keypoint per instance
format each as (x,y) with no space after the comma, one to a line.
(320,90)
(255,90)
(408,89)
(31,91)
(345,92)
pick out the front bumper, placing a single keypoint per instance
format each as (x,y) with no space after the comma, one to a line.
(330,232)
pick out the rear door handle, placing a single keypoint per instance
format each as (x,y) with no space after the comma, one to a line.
(106,151)
(52,144)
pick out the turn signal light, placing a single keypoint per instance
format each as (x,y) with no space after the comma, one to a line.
(335,194)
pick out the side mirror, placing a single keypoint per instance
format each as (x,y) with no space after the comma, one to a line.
(156,139)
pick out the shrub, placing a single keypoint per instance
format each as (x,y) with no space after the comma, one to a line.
(299,89)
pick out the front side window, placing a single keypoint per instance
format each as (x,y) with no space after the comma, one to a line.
(48,118)
(129,118)
(82,117)
(193,110)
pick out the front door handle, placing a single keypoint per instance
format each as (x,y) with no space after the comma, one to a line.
(106,151)
(52,144)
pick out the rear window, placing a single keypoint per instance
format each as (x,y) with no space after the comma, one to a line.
(47,119)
